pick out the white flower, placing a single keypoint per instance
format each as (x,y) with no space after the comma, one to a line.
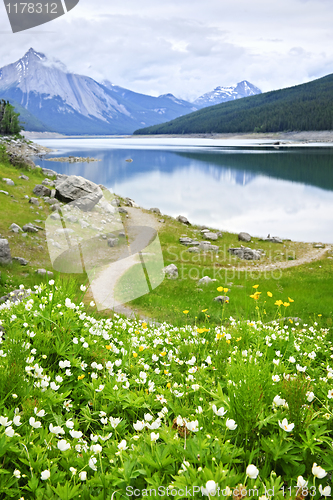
(210,488)
(46,474)
(219,412)
(275,378)
(139,425)
(17,420)
(195,387)
(63,445)
(277,401)
(230,424)
(326,492)
(154,436)
(193,426)
(96,448)
(318,471)
(51,282)
(92,462)
(9,431)
(70,424)
(252,471)
(83,475)
(64,364)
(75,434)
(285,426)
(40,413)
(54,386)
(17,473)
(115,422)
(301,483)
(330,394)
(34,423)
(292,359)
(92,304)
(199,410)
(83,288)
(122,445)
(56,430)
(4,421)
(310,396)
(59,379)
(300,368)
(73,470)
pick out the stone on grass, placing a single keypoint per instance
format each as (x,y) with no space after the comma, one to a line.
(9,182)
(29,228)
(21,261)
(24,177)
(44,272)
(244,237)
(210,236)
(205,280)
(113,242)
(15,228)
(245,253)
(122,210)
(41,190)
(5,255)
(222,299)
(34,201)
(4,192)
(155,210)
(183,219)
(15,296)
(171,271)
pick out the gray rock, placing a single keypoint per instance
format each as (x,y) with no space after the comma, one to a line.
(51,201)
(205,280)
(161,221)
(41,190)
(113,242)
(272,239)
(16,296)
(183,219)
(155,210)
(9,182)
(244,237)
(84,193)
(34,201)
(194,250)
(222,299)
(55,216)
(29,228)
(49,173)
(319,245)
(55,207)
(72,219)
(122,210)
(210,236)
(24,177)
(245,253)
(15,228)
(122,234)
(206,247)
(131,203)
(186,241)
(115,202)
(43,272)
(4,192)
(5,255)
(171,271)
(47,182)
(21,261)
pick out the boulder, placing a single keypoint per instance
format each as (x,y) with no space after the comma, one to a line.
(24,177)
(47,182)
(272,239)
(41,190)
(171,271)
(186,241)
(55,207)
(205,280)
(206,247)
(210,236)
(113,242)
(183,219)
(43,272)
(51,201)
(49,173)
(5,255)
(245,253)
(9,182)
(15,228)
(222,299)
(194,250)
(84,193)
(244,237)
(131,203)
(15,296)
(4,192)
(34,201)
(21,261)
(155,210)
(29,228)
(122,210)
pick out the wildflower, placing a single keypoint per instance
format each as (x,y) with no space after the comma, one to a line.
(290,300)
(54,386)
(135,354)
(83,288)
(46,474)
(17,473)
(73,470)
(154,436)
(198,410)
(56,430)
(326,492)
(63,445)
(17,420)
(277,401)
(330,394)
(4,421)
(219,412)
(14,396)
(67,404)
(310,396)
(275,378)
(186,311)
(230,424)
(192,426)
(83,475)
(318,471)
(195,387)
(122,445)
(300,368)
(285,426)
(34,423)
(278,302)
(252,471)
(292,359)
(96,448)
(115,422)
(9,431)
(210,488)
(70,424)
(139,425)
(92,463)
(269,294)
(301,483)
(75,434)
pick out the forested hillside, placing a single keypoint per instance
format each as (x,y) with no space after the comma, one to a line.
(304,107)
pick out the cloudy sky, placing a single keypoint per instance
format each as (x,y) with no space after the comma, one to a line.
(186,47)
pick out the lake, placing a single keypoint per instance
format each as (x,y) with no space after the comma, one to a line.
(228,185)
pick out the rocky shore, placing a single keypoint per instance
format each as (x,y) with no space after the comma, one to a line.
(19,151)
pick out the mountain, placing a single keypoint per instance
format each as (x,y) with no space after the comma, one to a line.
(224,94)
(75,104)
(308,106)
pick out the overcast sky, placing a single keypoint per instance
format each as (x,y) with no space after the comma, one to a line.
(186,47)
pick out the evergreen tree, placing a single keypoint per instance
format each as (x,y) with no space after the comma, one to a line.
(9,119)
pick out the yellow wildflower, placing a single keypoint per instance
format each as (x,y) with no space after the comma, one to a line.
(319,315)
(144,326)
(135,354)
(228,341)
(166,372)
(81,377)
(220,289)
(255,286)
(286,304)
(290,300)
(204,310)
(278,302)
(168,385)
(239,338)
(225,290)
(269,294)
(141,348)
(186,311)
(108,347)
(163,353)
(219,336)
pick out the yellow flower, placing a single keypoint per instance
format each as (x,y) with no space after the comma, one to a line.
(225,290)
(220,289)
(108,347)
(269,294)
(290,300)
(200,330)
(290,320)
(135,354)
(204,310)
(286,304)
(163,353)
(81,377)
(186,311)
(144,326)
(255,286)
(219,336)
(319,315)
(168,385)
(239,338)
(166,372)
(137,332)
(141,348)
(278,302)
(228,341)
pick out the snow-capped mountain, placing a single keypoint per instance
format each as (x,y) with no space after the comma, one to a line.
(76,104)
(224,94)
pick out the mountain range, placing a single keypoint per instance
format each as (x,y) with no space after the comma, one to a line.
(49,98)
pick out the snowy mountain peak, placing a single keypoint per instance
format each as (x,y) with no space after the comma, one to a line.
(224,94)
(33,54)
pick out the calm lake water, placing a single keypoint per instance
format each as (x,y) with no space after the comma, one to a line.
(260,190)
